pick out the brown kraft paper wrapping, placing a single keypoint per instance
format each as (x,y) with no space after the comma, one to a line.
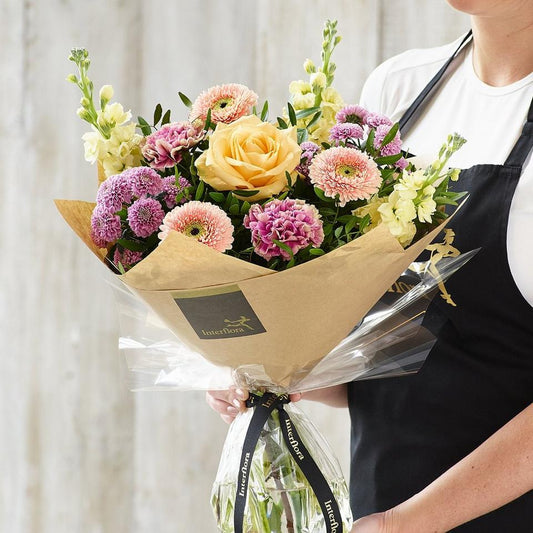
(236,313)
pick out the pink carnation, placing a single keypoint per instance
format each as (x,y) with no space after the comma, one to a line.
(144,216)
(143,181)
(292,222)
(105,226)
(346,172)
(203,221)
(391,148)
(127,258)
(227,103)
(162,149)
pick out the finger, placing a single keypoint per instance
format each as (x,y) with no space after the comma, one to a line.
(296,397)
(221,406)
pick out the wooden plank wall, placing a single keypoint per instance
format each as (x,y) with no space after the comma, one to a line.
(78,451)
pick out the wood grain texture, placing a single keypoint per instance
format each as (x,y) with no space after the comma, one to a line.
(79,452)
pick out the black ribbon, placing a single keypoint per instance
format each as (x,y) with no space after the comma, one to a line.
(264,405)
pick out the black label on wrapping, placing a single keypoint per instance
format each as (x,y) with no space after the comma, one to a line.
(219,316)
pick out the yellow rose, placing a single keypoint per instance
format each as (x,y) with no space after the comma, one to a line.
(249,154)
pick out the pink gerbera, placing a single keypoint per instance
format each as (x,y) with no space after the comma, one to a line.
(227,103)
(292,222)
(346,172)
(205,222)
(162,149)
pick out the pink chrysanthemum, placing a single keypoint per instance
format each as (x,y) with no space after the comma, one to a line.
(292,222)
(391,148)
(309,150)
(227,103)
(143,181)
(377,119)
(105,226)
(144,216)
(345,130)
(354,114)
(205,222)
(162,149)
(346,172)
(114,192)
(172,190)
(401,163)
(127,258)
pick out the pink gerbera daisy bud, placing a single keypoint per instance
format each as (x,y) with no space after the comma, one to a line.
(143,181)
(227,103)
(105,226)
(203,221)
(144,216)
(346,172)
(163,148)
(391,148)
(292,222)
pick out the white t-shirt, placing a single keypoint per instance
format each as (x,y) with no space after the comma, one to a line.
(490,118)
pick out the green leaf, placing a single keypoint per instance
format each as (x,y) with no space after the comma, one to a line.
(338,231)
(234,209)
(322,196)
(185,100)
(282,124)
(157,113)
(134,246)
(302,136)
(144,126)
(208,122)
(350,225)
(370,141)
(303,113)
(218,197)
(284,247)
(327,211)
(244,193)
(316,251)
(245,207)
(264,111)
(314,119)
(388,159)
(199,191)
(292,114)
(166,118)
(390,136)
(289,178)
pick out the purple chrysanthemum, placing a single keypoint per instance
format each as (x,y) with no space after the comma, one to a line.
(144,216)
(172,190)
(114,192)
(292,222)
(143,181)
(391,148)
(354,114)
(127,258)
(162,149)
(377,119)
(401,163)
(309,150)
(105,226)
(345,130)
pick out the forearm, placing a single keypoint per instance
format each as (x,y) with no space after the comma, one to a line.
(336,396)
(497,472)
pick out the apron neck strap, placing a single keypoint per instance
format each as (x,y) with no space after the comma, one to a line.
(408,115)
(523,146)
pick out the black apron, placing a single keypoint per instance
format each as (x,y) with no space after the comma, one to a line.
(407,431)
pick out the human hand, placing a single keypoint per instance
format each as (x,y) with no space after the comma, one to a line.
(375,523)
(227,403)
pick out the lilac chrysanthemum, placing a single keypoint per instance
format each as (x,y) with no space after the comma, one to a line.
(401,163)
(292,222)
(114,192)
(353,114)
(143,181)
(309,150)
(391,148)
(345,130)
(346,172)
(377,119)
(127,258)
(162,149)
(105,226)
(172,190)
(203,221)
(144,216)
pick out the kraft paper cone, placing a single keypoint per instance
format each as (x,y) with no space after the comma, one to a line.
(237,313)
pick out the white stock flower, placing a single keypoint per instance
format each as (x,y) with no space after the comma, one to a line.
(398,213)
(318,79)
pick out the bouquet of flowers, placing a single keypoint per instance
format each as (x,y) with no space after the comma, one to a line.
(215,220)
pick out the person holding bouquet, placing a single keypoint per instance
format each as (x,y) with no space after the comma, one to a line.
(451,447)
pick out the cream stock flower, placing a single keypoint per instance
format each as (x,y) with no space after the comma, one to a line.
(249,154)
(398,213)
(371,208)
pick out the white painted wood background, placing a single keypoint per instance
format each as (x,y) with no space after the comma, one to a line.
(78,451)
